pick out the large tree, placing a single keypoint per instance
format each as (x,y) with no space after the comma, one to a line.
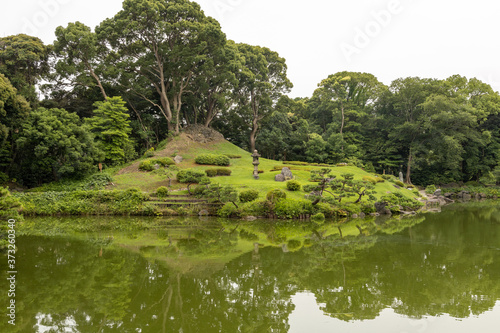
(261,83)
(157,46)
(24,60)
(54,144)
(112,128)
(78,57)
(14,109)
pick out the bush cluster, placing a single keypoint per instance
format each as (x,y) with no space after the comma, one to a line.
(218,172)
(430,189)
(293,185)
(212,159)
(190,176)
(162,192)
(275,195)
(292,208)
(248,195)
(149,165)
(81,202)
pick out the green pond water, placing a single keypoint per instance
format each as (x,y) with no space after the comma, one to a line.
(431,273)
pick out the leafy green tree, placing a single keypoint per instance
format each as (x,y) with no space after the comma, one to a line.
(24,60)
(111,127)
(53,144)
(78,57)
(157,47)
(316,149)
(261,83)
(14,109)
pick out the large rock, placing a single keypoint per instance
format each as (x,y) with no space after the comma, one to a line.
(279,178)
(287,173)
(437,192)
(382,209)
(178,159)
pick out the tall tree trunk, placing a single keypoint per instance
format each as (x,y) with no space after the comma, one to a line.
(253,134)
(342,126)
(408,169)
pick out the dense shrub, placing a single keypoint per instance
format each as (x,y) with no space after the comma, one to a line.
(218,172)
(430,189)
(228,210)
(211,172)
(163,161)
(293,185)
(319,217)
(149,153)
(162,192)
(190,176)
(292,208)
(146,165)
(212,159)
(248,195)
(97,181)
(275,195)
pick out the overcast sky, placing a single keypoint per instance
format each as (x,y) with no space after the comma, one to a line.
(388,38)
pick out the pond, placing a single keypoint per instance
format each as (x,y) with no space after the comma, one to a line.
(430,273)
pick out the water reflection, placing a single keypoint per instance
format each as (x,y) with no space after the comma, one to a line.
(221,276)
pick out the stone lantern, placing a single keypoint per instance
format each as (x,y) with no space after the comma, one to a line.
(255,163)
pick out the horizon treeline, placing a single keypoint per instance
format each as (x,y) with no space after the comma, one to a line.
(110,93)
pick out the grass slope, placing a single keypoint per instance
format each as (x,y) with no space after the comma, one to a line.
(242,170)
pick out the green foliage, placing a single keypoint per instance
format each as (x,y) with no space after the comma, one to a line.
(319,217)
(162,192)
(111,127)
(221,194)
(146,165)
(430,189)
(248,195)
(399,183)
(164,161)
(228,210)
(293,185)
(397,199)
(212,159)
(3,178)
(218,172)
(292,208)
(190,176)
(56,144)
(275,195)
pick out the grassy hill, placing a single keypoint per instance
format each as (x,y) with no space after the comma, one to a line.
(241,177)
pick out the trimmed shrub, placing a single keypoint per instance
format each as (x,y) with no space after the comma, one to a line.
(163,161)
(248,195)
(275,195)
(190,176)
(223,172)
(218,172)
(162,192)
(211,172)
(293,185)
(212,159)
(146,165)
